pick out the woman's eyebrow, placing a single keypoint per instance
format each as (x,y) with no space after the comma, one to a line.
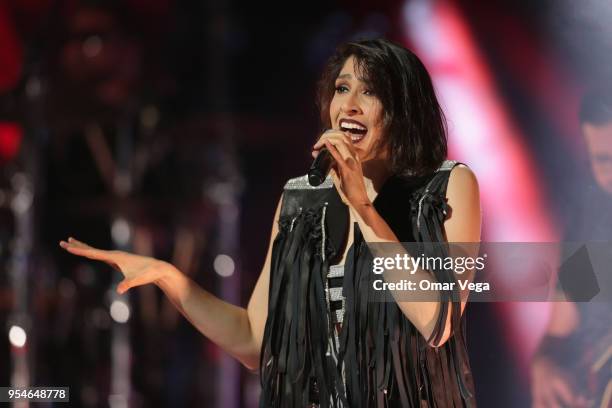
(343,76)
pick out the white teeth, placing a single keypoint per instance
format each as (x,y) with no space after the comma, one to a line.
(349,125)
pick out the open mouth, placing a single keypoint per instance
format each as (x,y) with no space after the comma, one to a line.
(355,129)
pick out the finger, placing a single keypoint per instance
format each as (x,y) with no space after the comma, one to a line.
(78,243)
(329,134)
(349,144)
(344,149)
(91,253)
(124,286)
(544,393)
(320,143)
(109,257)
(140,280)
(341,146)
(333,138)
(563,392)
(316,149)
(335,154)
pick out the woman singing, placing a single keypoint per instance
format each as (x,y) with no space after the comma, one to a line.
(309,327)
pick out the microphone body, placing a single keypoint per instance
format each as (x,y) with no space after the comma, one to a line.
(320,167)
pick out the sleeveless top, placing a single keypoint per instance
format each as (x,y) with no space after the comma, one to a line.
(379,358)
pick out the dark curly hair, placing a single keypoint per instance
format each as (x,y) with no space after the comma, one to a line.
(414,124)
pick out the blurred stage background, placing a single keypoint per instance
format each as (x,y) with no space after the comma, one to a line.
(169,128)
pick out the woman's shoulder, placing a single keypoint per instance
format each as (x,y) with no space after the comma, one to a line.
(454,166)
(450,171)
(462,177)
(457,174)
(448,165)
(451,180)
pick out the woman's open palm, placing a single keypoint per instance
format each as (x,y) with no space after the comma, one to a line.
(136,269)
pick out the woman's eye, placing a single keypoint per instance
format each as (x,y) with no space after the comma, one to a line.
(341,89)
(368,92)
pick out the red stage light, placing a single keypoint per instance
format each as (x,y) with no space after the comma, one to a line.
(10,139)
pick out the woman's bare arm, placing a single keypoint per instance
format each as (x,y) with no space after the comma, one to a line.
(463,226)
(236,330)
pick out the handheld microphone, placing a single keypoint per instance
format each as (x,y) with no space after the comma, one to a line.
(320,167)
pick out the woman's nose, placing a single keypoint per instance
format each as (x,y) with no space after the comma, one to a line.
(351,104)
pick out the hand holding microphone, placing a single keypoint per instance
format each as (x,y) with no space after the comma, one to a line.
(320,167)
(337,149)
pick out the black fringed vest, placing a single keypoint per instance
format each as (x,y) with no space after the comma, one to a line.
(382,360)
